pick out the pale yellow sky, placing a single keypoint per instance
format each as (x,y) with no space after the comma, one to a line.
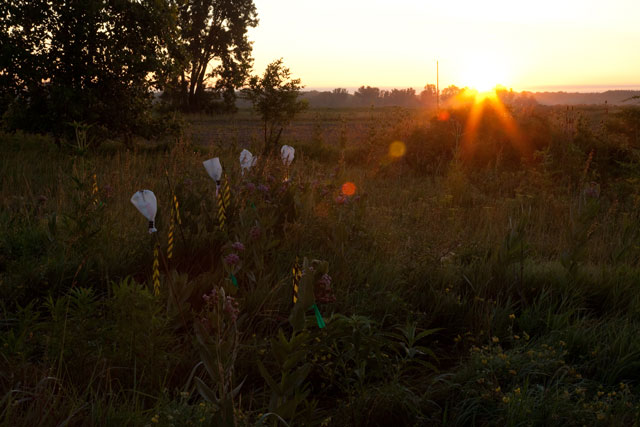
(524,45)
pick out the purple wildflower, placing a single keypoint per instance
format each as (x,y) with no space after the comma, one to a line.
(255,232)
(323,292)
(232,259)
(325,280)
(211,296)
(231,308)
(238,246)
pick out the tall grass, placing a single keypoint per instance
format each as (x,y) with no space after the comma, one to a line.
(502,292)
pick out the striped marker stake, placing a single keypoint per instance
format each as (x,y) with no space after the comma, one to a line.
(176,206)
(222,215)
(297,274)
(175,216)
(170,237)
(223,199)
(226,192)
(156,270)
(94,190)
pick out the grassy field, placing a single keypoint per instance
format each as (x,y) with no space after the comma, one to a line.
(474,277)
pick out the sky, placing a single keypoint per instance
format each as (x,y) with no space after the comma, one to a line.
(584,45)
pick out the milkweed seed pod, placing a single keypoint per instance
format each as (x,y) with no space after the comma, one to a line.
(145,201)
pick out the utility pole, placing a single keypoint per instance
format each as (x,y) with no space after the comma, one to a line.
(438,85)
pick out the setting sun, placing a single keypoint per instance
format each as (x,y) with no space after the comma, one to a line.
(484,72)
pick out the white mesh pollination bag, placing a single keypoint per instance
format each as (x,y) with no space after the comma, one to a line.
(287,152)
(214,169)
(145,201)
(247,160)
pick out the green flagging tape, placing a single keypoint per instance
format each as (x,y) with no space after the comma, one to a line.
(234,280)
(253,206)
(319,318)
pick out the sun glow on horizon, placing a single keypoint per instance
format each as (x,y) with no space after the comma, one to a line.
(484,72)
(481,103)
(548,45)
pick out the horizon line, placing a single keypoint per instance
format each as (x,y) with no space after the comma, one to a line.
(583,88)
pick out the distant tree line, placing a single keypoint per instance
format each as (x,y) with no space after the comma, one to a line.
(367,96)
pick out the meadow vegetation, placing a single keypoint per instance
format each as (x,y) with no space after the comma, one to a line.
(472,278)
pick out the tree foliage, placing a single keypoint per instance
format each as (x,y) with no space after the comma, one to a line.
(213,46)
(83,61)
(275,97)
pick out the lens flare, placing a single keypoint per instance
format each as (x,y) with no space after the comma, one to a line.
(397,149)
(443,115)
(349,189)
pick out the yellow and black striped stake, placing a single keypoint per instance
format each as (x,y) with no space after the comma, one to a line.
(297,275)
(222,216)
(172,222)
(175,216)
(223,198)
(94,189)
(226,192)
(176,206)
(156,271)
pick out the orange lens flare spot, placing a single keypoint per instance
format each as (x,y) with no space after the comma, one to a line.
(443,116)
(349,189)
(397,149)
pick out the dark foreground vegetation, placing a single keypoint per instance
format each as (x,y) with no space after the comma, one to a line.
(486,277)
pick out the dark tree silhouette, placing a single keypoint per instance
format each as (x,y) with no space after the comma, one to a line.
(213,46)
(275,97)
(366,96)
(82,61)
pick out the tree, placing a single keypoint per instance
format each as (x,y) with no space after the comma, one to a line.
(275,97)
(85,61)
(399,97)
(213,45)
(450,92)
(428,96)
(366,96)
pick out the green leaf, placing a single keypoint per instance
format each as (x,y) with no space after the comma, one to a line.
(206,392)
(272,384)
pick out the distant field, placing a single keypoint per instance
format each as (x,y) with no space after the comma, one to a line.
(327,125)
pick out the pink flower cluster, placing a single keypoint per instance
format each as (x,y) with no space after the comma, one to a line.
(255,232)
(232,259)
(229,305)
(211,297)
(323,291)
(231,308)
